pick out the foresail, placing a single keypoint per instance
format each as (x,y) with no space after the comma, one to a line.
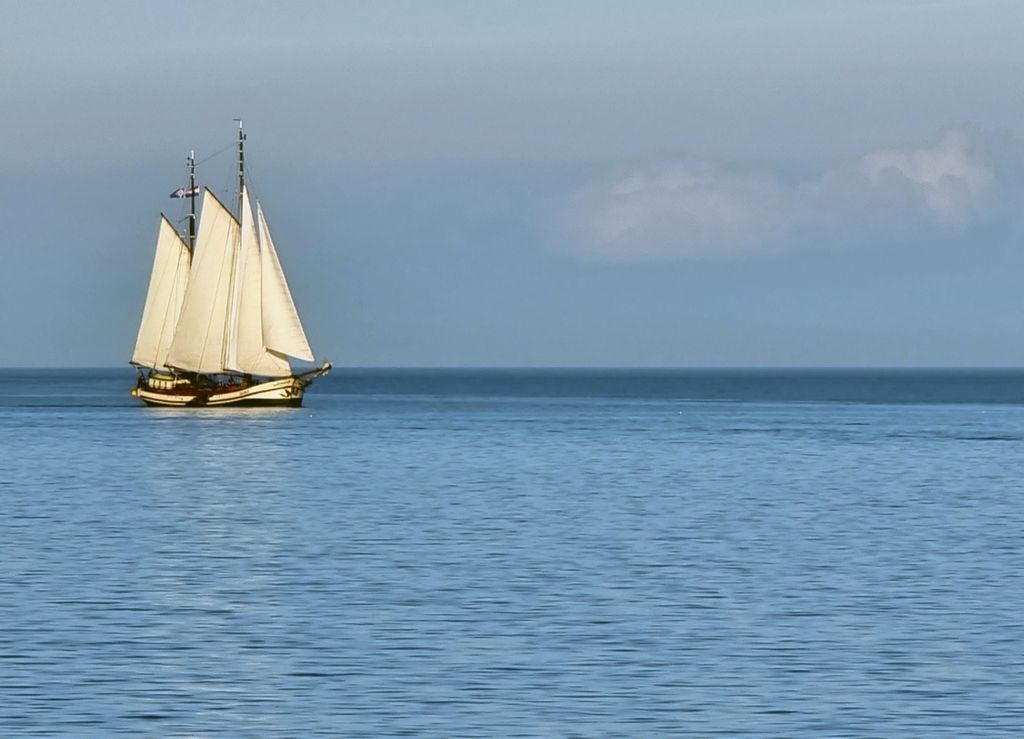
(200,338)
(282,329)
(167,285)
(246,351)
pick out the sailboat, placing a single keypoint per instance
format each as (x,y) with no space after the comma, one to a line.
(219,323)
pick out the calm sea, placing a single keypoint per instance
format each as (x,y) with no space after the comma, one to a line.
(517,553)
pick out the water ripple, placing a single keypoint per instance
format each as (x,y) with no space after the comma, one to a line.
(539,568)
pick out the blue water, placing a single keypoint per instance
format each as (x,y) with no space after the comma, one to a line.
(503,553)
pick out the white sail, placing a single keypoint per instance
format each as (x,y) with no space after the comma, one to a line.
(282,329)
(246,350)
(167,284)
(200,339)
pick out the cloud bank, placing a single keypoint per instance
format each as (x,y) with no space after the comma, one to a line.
(686,209)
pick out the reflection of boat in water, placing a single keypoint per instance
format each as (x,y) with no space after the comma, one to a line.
(219,322)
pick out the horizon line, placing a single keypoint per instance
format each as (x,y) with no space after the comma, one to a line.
(593,367)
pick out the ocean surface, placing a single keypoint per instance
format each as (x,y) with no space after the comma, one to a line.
(517,553)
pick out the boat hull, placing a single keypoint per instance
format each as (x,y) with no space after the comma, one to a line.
(286,392)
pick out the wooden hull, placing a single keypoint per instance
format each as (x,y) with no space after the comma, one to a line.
(287,391)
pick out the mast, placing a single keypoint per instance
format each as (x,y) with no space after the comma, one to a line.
(229,353)
(241,166)
(192,198)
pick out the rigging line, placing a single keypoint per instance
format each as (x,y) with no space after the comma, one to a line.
(226,187)
(250,178)
(216,153)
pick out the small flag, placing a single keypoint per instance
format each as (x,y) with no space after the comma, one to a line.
(184,192)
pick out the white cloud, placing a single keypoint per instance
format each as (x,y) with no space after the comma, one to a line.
(681,209)
(685,209)
(953,182)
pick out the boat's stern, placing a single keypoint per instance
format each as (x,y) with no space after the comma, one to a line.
(163,389)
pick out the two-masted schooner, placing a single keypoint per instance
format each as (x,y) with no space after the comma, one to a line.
(219,323)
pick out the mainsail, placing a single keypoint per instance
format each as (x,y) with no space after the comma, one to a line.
(200,338)
(246,349)
(282,329)
(238,314)
(167,284)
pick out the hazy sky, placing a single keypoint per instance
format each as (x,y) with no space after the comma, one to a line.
(803,182)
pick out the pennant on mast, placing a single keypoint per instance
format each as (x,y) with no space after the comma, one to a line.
(185,192)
